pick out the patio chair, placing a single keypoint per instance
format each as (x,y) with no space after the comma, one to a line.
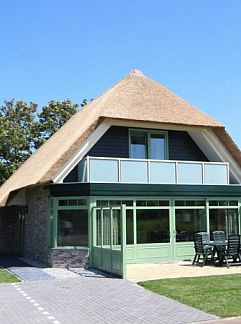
(219,244)
(202,248)
(219,238)
(233,249)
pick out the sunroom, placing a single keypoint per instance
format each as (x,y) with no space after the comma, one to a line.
(118,229)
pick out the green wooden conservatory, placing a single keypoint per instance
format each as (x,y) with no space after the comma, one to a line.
(127,180)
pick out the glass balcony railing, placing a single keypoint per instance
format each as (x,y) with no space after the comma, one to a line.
(116,170)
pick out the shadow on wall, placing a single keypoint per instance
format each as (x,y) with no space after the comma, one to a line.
(10,230)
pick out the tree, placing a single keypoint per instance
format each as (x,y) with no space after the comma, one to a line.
(22,131)
(17,135)
(52,117)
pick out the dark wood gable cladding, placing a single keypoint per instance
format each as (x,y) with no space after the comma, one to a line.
(115,143)
(182,147)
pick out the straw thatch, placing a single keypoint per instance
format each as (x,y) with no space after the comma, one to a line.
(136,98)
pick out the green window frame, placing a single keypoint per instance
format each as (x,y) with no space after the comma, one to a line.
(70,203)
(148,134)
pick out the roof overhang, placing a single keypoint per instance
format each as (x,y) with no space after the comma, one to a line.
(153,190)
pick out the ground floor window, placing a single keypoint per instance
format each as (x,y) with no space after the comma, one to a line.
(224,220)
(189,222)
(152,226)
(148,220)
(72,227)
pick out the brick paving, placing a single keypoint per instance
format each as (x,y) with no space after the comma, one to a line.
(90,300)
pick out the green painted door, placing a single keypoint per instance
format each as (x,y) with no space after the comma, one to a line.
(109,239)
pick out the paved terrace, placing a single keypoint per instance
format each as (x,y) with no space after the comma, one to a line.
(143,272)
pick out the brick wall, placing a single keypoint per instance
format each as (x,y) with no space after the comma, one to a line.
(36,243)
(61,258)
(9,230)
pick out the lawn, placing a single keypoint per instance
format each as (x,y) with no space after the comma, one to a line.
(217,295)
(6,277)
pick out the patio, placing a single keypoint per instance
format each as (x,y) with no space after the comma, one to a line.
(144,272)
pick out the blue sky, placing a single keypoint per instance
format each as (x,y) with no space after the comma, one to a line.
(59,49)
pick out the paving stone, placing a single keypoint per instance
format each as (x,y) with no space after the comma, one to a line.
(92,300)
(143,272)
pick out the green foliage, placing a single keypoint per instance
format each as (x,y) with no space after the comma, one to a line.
(23,130)
(17,135)
(218,295)
(52,117)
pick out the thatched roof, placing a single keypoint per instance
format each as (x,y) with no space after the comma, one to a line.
(135,98)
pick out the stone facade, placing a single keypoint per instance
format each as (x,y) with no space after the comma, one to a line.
(35,233)
(9,230)
(36,242)
(75,258)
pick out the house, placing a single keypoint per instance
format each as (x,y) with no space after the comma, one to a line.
(128,179)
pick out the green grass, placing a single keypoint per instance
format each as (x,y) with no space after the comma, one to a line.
(217,295)
(6,277)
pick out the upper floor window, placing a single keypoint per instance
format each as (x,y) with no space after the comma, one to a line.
(148,145)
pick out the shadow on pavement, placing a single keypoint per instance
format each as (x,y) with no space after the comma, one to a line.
(8,261)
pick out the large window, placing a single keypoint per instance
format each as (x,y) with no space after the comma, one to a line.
(223,220)
(147,145)
(188,222)
(72,227)
(152,225)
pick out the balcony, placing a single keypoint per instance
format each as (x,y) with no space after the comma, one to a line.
(124,170)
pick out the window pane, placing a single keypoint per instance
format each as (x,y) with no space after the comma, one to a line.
(98,227)
(102,203)
(152,226)
(223,220)
(138,145)
(223,203)
(233,203)
(180,203)
(157,146)
(141,203)
(63,202)
(129,227)
(116,221)
(163,202)
(213,203)
(127,202)
(82,202)
(189,222)
(114,202)
(72,228)
(190,203)
(106,227)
